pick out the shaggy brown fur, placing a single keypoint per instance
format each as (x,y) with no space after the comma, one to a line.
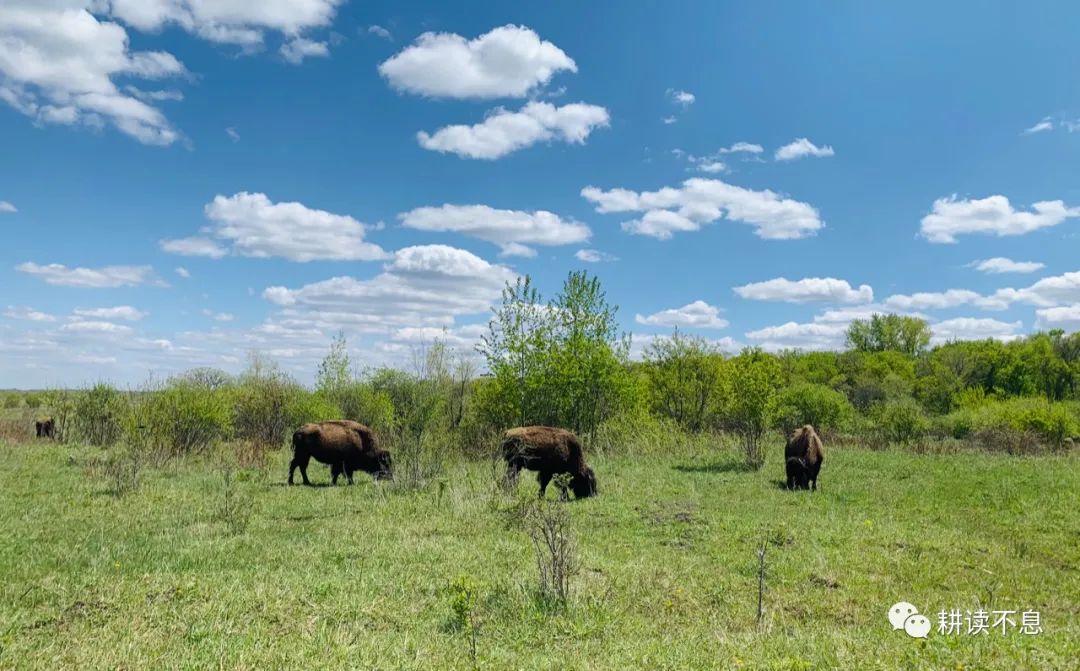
(803,457)
(548,450)
(345,445)
(45,427)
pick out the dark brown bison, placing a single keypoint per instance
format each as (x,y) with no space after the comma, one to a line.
(45,427)
(548,451)
(803,455)
(345,445)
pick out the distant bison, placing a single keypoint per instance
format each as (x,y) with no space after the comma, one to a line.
(345,445)
(803,454)
(548,451)
(45,427)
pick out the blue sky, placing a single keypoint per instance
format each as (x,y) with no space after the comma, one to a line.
(756,175)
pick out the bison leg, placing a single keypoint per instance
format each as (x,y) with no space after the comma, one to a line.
(348,475)
(300,462)
(543,477)
(335,471)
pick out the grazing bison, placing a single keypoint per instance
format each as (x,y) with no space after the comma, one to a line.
(45,427)
(803,455)
(548,451)
(345,445)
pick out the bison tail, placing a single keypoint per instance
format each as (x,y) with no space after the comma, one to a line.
(297,441)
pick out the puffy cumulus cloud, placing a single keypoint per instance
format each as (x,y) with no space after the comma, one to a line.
(682,98)
(254,226)
(380,31)
(594,256)
(742,148)
(808,290)
(183,272)
(509,61)
(106,277)
(698,314)
(703,201)
(425,285)
(846,315)
(504,132)
(23,313)
(793,335)
(933,300)
(97,327)
(1066,317)
(299,48)
(802,148)
(1047,292)
(462,338)
(59,63)
(124,312)
(512,230)
(968,328)
(6,207)
(1000,264)
(994,215)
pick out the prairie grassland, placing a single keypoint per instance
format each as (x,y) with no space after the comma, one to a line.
(358,577)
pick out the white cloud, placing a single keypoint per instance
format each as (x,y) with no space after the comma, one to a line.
(742,147)
(1047,292)
(154,96)
(808,290)
(219,316)
(681,97)
(992,216)
(95,327)
(846,315)
(27,314)
(422,286)
(801,148)
(793,335)
(937,300)
(509,61)
(668,120)
(254,226)
(594,256)
(698,314)
(380,31)
(125,312)
(504,132)
(299,48)
(1044,125)
(510,229)
(58,63)
(194,246)
(1000,264)
(967,328)
(233,134)
(95,278)
(1066,317)
(183,272)
(7,207)
(712,166)
(640,342)
(702,201)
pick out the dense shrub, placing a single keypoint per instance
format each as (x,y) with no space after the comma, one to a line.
(998,423)
(11,401)
(824,408)
(899,421)
(32,401)
(180,418)
(98,413)
(755,381)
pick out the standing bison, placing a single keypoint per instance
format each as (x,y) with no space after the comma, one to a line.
(548,451)
(345,445)
(45,427)
(803,455)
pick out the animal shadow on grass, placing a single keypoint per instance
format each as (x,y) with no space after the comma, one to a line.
(717,467)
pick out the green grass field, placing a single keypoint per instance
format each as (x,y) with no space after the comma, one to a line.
(356,577)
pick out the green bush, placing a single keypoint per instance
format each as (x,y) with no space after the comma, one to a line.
(899,421)
(825,409)
(1050,423)
(98,414)
(11,401)
(32,401)
(181,418)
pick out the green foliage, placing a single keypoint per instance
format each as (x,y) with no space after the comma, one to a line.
(755,379)
(889,333)
(32,401)
(825,409)
(180,418)
(98,413)
(11,401)
(61,407)
(686,381)
(1051,423)
(900,421)
(267,404)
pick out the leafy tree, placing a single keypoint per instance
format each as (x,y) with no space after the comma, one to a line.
(686,380)
(334,373)
(815,404)
(756,378)
(895,333)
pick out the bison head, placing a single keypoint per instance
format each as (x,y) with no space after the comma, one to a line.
(584,483)
(386,466)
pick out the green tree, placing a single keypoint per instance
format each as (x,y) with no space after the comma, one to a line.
(815,404)
(896,333)
(334,373)
(756,378)
(685,380)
